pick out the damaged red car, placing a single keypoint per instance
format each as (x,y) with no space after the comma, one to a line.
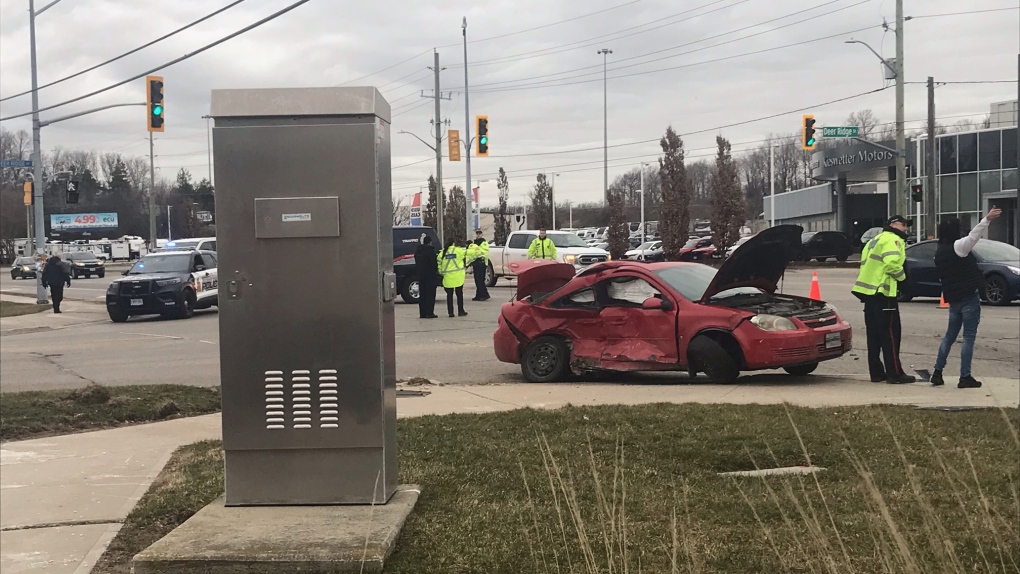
(672,316)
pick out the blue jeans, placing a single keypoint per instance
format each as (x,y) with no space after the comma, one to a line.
(965,314)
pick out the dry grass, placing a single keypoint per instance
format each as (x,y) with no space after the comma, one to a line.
(13,309)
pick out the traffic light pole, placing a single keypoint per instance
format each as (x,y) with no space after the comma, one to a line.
(929,163)
(37,169)
(902,194)
(440,211)
(469,193)
(152,196)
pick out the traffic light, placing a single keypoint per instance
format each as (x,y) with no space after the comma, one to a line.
(482,129)
(28,193)
(917,192)
(808,140)
(154,103)
(454,141)
(71,191)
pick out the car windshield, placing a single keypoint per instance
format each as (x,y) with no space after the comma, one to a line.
(81,257)
(996,251)
(24,261)
(566,240)
(162,264)
(807,236)
(647,245)
(692,242)
(692,281)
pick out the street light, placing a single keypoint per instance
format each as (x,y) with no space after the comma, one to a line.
(642,190)
(605,121)
(553,199)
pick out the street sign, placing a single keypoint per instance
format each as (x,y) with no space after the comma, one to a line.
(16,163)
(840,132)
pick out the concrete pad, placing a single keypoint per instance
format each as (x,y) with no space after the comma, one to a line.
(284,539)
(61,550)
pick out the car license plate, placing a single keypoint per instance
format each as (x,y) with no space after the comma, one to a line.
(136,302)
(833,341)
(91,268)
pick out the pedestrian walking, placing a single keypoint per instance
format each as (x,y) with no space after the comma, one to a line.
(452,264)
(55,276)
(876,286)
(478,255)
(542,247)
(962,283)
(427,268)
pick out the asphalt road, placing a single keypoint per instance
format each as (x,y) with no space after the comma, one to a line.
(453,351)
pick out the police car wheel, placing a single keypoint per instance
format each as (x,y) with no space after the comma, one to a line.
(117,316)
(186,305)
(14,276)
(545,360)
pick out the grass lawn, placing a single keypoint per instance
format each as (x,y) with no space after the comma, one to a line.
(33,414)
(12,309)
(635,489)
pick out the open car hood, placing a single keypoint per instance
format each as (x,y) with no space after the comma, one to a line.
(760,262)
(540,276)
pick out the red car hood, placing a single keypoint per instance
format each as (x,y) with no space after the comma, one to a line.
(540,276)
(760,262)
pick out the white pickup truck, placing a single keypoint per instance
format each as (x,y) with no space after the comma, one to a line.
(569,249)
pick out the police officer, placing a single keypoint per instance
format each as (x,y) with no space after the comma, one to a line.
(426,267)
(452,263)
(542,247)
(876,286)
(478,256)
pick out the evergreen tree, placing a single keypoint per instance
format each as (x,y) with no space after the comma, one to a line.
(674,211)
(727,198)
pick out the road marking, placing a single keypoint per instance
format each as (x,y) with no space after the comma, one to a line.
(207,342)
(155,336)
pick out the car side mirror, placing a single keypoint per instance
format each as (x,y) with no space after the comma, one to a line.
(199,268)
(125,272)
(657,303)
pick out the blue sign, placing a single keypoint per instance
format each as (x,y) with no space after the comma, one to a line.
(16,163)
(81,221)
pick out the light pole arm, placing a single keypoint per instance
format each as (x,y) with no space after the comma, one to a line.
(44,123)
(419,139)
(46,7)
(877,55)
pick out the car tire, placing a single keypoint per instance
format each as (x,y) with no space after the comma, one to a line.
(711,358)
(410,291)
(801,370)
(117,316)
(842,258)
(14,277)
(997,290)
(545,360)
(490,276)
(186,305)
(101,274)
(74,275)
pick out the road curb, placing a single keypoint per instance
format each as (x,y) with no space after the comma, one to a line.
(33,297)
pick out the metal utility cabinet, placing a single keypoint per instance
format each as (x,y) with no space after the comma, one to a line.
(306,292)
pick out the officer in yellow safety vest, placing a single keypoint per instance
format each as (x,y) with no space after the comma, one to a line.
(542,247)
(876,286)
(452,263)
(478,257)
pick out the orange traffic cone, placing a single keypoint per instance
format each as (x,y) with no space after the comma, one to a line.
(942,302)
(816,292)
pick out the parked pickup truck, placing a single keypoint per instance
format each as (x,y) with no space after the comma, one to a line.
(569,249)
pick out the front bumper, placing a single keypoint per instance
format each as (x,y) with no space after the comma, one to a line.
(777,349)
(144,298)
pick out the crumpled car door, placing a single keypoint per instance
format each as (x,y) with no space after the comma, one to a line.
(636,338)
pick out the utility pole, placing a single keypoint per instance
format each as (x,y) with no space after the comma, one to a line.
(929,163)
(552,199)
(438,124)
(643,202)
(605,123)
(772,184)
(152,197)
(469,193)
(902,195)
(38,185)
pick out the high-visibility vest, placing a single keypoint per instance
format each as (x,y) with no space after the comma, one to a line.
(451,267)
(476,252)
(542,249)
(881,266)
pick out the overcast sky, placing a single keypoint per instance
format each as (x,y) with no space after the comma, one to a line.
(534,71)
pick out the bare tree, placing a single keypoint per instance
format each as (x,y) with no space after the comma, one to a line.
(727,200)
(401,212)
(865,120)
(674,211)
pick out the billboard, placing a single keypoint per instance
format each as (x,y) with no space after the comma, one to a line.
(82,221)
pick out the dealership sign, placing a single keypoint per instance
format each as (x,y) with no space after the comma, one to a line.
(82,221)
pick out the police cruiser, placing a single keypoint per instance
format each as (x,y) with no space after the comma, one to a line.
(171,283)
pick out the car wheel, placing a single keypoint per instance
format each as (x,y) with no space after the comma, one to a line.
(102,274)
(821,259)
(545,360)
(117,316)
(842,258)
(711,358)
(902,295)
(996,290)
(14,276)
(410,292)
(801,370)
(74,275)
(186,305)
(490,276)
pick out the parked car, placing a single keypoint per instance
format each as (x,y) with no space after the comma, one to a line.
(999,262)
(823,245)
(170,283)
(626,316)
(23,268)
(639,253)
(873,233)
(85,263)
(735,246)
(697,249)
(193,244)
(406,239)
(570,249)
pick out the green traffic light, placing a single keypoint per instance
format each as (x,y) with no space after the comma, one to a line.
(811,141)
(484,140)
(157,110)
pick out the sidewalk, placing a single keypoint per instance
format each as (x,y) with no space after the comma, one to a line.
(74,313)
(64,498)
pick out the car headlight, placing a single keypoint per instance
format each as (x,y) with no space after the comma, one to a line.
(112,289)
(830,307)
(772,323)
(100,262)
(79,265)
(569,259)
(1014,270)
(166,282)
(26,268)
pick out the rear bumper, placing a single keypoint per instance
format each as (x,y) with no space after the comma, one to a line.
(505,344)
(776,349)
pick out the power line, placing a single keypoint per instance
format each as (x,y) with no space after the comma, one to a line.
(937,83)
(424,103)
(414,163)
(168,64)
(126,54)
(967,13)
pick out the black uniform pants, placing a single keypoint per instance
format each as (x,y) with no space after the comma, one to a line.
(56,295)
(460,299)
(481,291)
(882,322)
(426,298)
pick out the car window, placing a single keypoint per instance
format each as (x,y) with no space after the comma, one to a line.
(81,257)
(24,261)
(923,251)
(989,250)
(162,263)
(583,299)
(210,246)
(566,240)
(199,261)
(629,291)
(213,260)
(521,240)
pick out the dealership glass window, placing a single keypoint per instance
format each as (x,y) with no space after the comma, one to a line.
(947,154)
(968,220)
(1009,149)
(968,192)
(967,152)
(948,196)
(990,150)
(1009,179)
(991,182)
